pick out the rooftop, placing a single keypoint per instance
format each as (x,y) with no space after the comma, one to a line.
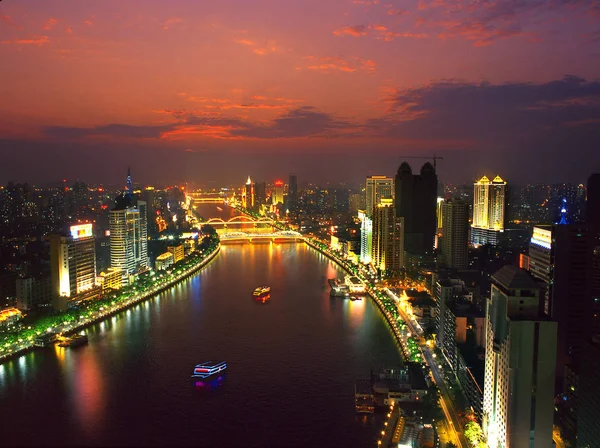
(512,277)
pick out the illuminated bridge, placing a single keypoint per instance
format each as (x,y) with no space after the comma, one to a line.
(275,237)
(240,220)
(206,198)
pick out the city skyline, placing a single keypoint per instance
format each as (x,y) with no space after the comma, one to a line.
(241,87)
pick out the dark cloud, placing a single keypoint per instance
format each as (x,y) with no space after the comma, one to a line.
(487,112)
(302,122)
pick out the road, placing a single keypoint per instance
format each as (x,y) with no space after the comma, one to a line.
(453,426)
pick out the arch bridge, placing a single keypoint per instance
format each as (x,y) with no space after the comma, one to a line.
(239,220)
(273,237)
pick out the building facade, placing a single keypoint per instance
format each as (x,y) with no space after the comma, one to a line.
(366,237)
(518,402)
(416,201)
(377,188)
(489,209)
(388,238)
(128,237)
(454,247)
(72,264)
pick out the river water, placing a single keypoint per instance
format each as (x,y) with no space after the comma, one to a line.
(292,362)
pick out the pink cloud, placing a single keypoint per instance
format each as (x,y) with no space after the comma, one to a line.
(35,40)
(50,23)
(88,22)
(170,22)
(68,30)
(354,31)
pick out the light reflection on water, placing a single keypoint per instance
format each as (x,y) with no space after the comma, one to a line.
(304,349)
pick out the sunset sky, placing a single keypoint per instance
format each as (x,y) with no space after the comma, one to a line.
(198,90)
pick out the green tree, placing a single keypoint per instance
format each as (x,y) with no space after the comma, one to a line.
(474,434)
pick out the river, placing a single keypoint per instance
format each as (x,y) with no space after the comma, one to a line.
(292,363)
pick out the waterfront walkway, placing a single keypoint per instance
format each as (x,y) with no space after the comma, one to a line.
(23,346)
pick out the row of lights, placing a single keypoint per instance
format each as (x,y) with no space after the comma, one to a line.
(87,321)
(385,425)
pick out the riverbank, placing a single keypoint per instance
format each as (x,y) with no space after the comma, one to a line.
(136,299)
(374,293)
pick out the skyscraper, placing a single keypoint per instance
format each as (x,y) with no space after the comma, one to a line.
(128,223)
(416,202)
(73,264)
(489,205)
(260,194)
(277,193)
(588,419)
(519,364)
(541,261)
(293,192)
(366,237)
(593,200)
(388,237)
(454,245)
(378,188)
(248,194)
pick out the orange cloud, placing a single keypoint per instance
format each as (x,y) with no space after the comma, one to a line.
(68,30)
(268,47)
(170,22)
(246,42)
(354,31)
(35,40)
(333,64)
(50,23)
(87,22)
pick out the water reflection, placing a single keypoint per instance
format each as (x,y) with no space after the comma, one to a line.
(209,385)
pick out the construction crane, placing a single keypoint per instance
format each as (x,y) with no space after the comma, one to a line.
(434,158)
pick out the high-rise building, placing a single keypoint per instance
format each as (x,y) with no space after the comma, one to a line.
(293,192)
(489,204)
(128,223)
(541,261)
(455,230)
(73,264)
(520,359)
(593,200)
(416,201)
(388,237)
(248,194)
(378,188)
(588,418)
(277,193)
(366,237)
(260,193)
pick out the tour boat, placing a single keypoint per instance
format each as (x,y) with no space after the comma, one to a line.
(209,368)
(75,341)
(261,291)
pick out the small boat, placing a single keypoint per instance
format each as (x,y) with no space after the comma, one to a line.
(262,291)
(209,368)
(354,298)
(75,341)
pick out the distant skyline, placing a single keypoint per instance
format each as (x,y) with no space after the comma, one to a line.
(332,90)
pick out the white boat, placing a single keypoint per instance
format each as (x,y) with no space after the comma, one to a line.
(209,368)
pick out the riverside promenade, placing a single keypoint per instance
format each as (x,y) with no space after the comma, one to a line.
(26,345)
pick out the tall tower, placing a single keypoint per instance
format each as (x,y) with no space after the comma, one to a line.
(128,223)
(293,192)
(129,182)
(593,200)
(72,264)
(378,188)
(416,202)
(489,208)
(388,237)
(455,239)
(366,237)
(249,194)
(520,358)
